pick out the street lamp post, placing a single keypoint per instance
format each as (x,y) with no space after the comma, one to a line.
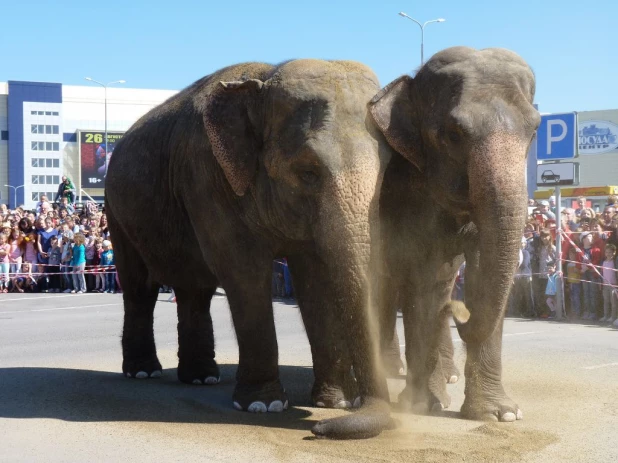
(105,100)
(15,193)
(422,26)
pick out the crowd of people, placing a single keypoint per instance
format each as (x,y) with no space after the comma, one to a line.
(55,248)
(588,256)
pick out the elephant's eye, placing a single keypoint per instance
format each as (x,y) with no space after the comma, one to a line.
(309,177)
(453,137)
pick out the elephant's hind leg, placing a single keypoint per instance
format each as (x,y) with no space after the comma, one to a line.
(196,343)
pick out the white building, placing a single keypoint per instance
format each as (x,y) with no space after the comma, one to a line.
(40,124)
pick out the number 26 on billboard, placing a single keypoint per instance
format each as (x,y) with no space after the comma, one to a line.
(94,138)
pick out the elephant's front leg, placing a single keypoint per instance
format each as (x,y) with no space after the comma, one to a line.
(258,388)
(334,386)
(485,396)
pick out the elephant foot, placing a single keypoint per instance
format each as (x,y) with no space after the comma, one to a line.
(142,368)
(260,398)
(490,407)
(451,372)
(393,366)
(335,393)
(423,401)
(204,372)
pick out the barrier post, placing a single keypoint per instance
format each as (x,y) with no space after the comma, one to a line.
(559,279)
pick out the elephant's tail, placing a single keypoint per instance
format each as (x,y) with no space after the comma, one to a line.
(369,421)
(457,309)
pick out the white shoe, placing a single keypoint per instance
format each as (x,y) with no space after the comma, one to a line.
(80,292)
(72,291)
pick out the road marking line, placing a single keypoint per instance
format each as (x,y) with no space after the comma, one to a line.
(62,308)
(615,364)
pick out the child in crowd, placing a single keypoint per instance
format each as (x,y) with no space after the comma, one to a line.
(550,290)
(107,261)
(610,302)
(592,256)
(96,262)
(55,257)
(24,281)
(67,242)
(16,251)
(4,263)
(90,251)
(78,262)
(30,248)
(574,277)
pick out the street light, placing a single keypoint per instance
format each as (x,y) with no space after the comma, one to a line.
(105,87)
(15,193)
(422,26)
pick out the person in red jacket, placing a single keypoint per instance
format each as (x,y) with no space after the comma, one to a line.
(591,256)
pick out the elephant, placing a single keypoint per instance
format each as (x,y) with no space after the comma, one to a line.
(251,163)
(456,190)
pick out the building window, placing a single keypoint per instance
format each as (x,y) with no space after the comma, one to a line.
(40,113)
(35,179)
(41,162)
(33,113)
(49,179)
(48,162)
(48,113)
(54,113)
(37,128)
(35,162)
(56,163)
(56,146)
(35,196)
(56,179)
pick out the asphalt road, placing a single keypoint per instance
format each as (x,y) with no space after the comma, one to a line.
(62,397)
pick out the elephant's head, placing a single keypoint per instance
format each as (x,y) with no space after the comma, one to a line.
(300,144)
(466,121)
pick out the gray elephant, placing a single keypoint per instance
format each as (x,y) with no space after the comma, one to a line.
(463,126)
(248,164)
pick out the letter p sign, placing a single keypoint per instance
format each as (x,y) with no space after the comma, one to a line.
(557,137)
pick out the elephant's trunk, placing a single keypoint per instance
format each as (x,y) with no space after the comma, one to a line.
(349,242)
(498,196)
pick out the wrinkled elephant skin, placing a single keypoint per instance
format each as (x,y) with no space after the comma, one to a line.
(248,164)
(463,126)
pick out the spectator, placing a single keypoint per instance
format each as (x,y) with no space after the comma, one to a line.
(568,218)
(54,259)
(552,204)
(591,257)
(544,210)
(90,252)
(608,213)
(574,277)
(610,303)
(66,190)
(64,203)
(30,249)
(16,250)
(107,261)
(67,241)
(24,281)
(43,246)
(63,214)
(551,289)
(25,226)
(79,263)
(4,263)
(542,251)
(612,200)
(277,280)
(581,205)
(96,261)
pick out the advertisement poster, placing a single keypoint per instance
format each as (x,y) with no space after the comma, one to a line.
(93,158)
(597,132)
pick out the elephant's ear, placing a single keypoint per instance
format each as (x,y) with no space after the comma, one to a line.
(232,130)
(394,112)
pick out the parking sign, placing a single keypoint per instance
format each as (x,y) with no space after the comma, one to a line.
(557,137)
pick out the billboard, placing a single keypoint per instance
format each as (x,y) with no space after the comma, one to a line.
(597,132)
(93,159)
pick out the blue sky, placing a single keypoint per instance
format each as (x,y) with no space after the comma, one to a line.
(571,45)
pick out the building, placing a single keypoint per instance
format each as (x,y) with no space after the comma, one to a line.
(48,130)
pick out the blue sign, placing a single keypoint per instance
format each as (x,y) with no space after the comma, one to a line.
(557,137)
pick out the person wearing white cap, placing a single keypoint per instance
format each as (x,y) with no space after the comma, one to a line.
(544,209)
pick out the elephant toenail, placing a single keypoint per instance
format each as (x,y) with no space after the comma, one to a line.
(508,417)
(520,415)
(343,404)
(257,407)
(156,374)
(357,402)
(320,404)
(437,407)
(197,381)
(237,406)
(141,375)
(453,379)
(211,380)
(276,406)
